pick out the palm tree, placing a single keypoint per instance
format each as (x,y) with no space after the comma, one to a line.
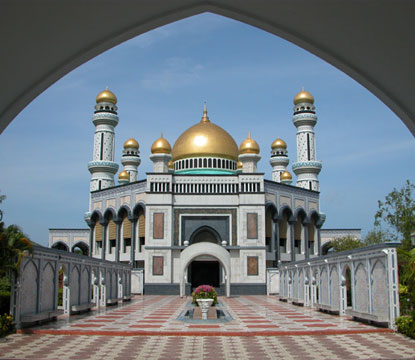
(13,245)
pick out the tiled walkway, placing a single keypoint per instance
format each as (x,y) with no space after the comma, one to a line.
(263,328)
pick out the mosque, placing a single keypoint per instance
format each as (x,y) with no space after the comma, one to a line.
(204,215)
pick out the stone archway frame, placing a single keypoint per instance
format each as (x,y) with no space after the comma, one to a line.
(205,248)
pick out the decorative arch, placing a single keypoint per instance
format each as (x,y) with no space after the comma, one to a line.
(300,212)
(124,209)
(60,245)
(206,228)
(84,247)
(199,249)
(110,212)
(140,206)
(270,206)
(96,216)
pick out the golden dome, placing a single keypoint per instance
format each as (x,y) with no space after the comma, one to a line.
(205,139)
(249,146)
(286,176)
(131,143)
(106,96)
(161,146)
(279,144)
(124,175)
(239,165)
(303,96)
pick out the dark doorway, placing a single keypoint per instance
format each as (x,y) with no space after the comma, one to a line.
(204,273)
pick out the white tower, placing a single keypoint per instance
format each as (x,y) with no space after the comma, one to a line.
(249,155)
(307,167)
(105,118)
(161,155)
(279,159)
(131,158)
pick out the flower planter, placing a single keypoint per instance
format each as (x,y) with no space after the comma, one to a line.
(204,305)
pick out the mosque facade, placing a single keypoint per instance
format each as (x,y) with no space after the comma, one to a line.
(204,215)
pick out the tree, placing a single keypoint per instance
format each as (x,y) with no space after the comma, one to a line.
(376,236)
(13,244)
(398,211)
(345,243)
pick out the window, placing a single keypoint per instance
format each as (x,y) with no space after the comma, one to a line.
(158,225)
(252,225)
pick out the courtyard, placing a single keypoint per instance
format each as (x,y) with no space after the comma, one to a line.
(262,327)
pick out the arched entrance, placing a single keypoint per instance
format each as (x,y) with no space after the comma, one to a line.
(204,270)
(204,251)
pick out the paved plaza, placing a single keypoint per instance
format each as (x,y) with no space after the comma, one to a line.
(262,328)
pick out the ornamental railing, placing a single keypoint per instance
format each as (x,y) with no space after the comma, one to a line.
(85,282)
(362,283)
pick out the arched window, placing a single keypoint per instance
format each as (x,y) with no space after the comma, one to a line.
(209,163)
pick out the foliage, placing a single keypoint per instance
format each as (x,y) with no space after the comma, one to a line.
(345,243)
(6,325)
(376,236)
(406,261)
(406,325)
(13,244)
(60,296)
(4,294)
(205,292)
(398,211)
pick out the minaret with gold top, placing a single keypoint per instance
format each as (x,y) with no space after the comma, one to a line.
(131,158)
(161,155)
(105,118)
(279,159)
(249,155)
(306,167)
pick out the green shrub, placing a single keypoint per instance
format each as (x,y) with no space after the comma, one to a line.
(60,296)
(6,325)
(406,325)
(4,301)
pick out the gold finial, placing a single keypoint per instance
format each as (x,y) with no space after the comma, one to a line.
(205,118)
(249,134)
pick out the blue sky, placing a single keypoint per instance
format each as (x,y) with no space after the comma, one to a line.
(248,79)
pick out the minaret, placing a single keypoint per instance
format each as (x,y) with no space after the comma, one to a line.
(131,159)
(124,177)
(105,118)
(307,167)
(249,155)
(279,159)
(161,155)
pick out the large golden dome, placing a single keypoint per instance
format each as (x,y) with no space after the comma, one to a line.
(249,146)
(303,97)
(205,139)
(106,96)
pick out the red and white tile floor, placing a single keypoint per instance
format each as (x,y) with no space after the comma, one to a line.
(262,328)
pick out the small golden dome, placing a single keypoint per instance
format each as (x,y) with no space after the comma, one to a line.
(279,144)
(106,96)
(205,139)
(131,143)
(124,175)
(239,165)
(286,176)
(249,146)
(170,165)
(161,146)
(303,96)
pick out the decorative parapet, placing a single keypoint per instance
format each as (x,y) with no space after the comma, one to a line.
(324,283)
